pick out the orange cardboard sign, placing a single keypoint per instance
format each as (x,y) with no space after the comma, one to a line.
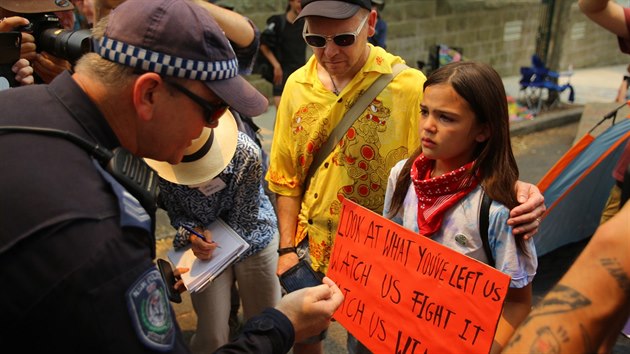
(405,293)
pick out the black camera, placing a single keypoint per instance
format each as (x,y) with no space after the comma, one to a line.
(52,38)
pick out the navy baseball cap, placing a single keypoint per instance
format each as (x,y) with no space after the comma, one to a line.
(336,9)
(181,39)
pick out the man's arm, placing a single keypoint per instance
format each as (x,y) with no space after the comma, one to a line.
(277,68)
(236,27)
(288,209)
(591,301)
(607,14)
(299,315)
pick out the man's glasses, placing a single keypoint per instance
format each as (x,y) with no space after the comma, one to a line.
(211,112)
(341,39)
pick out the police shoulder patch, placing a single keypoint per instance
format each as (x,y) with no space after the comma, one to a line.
(150,311)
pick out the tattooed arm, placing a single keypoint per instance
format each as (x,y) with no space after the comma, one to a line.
(590,304)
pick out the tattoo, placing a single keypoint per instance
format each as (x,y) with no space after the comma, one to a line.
(616,271)
(559,299)
(545,342)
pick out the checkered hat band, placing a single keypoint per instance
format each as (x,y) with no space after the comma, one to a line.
(165,64)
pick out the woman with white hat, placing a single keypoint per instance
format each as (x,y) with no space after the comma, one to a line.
(220,177)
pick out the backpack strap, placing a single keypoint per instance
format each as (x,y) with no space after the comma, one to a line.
(484,223)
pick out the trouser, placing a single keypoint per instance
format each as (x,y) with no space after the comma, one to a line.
(258,288)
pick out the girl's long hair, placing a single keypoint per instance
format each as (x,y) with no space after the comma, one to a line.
(481,86)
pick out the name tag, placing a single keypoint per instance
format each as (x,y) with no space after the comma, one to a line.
(209,188)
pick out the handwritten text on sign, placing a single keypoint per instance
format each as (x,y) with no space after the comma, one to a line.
(408,294)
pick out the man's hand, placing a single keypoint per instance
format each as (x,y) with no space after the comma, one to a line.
(48,66)
(310,309)
(525,218)
(27,49)
(286,261)
(10,23)
(23,72)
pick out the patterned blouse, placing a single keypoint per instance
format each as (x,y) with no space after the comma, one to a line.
(242,203)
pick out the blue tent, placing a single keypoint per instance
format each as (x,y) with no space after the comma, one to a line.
(577,186)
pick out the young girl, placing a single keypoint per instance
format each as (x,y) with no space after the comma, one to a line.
(465,151)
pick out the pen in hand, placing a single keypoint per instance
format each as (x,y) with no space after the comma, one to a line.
(197,234)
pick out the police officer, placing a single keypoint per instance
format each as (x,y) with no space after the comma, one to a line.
(76,246)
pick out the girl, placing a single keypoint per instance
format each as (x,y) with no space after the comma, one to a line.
(465,151)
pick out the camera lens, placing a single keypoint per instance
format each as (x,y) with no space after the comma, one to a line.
(70,45)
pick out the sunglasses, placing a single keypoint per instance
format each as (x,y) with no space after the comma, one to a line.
(341,39)
(211,112)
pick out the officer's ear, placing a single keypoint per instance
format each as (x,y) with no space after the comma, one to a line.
(146,90)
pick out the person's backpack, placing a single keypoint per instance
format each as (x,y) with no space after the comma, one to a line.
(271,37)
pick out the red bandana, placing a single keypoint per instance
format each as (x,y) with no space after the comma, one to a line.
(437,195)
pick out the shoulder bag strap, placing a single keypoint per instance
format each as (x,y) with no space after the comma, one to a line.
(484,223)
(348,119)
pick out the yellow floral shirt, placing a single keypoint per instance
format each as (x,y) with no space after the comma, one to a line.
(358,168)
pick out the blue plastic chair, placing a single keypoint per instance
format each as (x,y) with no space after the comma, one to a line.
(537,82)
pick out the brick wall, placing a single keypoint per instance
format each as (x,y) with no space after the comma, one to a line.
(500,32)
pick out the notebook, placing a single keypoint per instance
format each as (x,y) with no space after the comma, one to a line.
(202,273)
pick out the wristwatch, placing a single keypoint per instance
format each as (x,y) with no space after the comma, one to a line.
(285,250)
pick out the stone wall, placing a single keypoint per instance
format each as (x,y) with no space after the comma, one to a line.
(500,32)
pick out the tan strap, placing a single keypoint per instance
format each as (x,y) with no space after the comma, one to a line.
(349,118)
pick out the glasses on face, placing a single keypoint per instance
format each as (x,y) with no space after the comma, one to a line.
(211,112)
(341,39)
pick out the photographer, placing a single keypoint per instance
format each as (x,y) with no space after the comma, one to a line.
(22,68)
(45,65)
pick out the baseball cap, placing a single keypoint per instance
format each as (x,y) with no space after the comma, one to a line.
(336,9)
(36,6)
(178,38)
(205,158)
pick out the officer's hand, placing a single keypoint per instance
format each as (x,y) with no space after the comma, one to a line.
(310,309)
(179,284)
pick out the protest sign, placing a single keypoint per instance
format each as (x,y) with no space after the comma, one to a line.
(405,293)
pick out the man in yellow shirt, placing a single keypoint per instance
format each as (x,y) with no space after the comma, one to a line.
(314,101)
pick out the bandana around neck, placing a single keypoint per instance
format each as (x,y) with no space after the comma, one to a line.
(437,195)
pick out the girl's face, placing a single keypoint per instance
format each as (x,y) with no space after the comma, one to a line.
(449,129)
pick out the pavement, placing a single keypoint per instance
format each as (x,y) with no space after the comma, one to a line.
(595,91)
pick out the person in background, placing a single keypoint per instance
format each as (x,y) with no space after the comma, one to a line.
(283,46)
(464,153)
(45,65)
(22,68)
(102,8)
(614,18)
(223,183)
(89,244)
(622,92)
(83,14)
(316,98)
(379,38)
